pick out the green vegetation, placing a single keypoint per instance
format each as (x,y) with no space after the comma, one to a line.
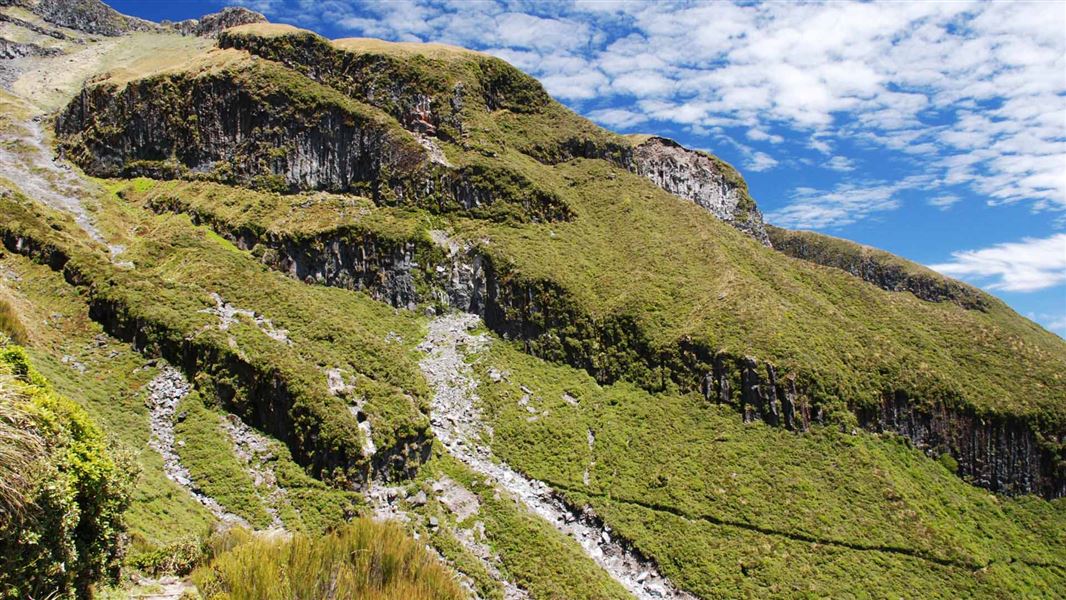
(878,267)
(207,452)
(165,306)
(66,530)
(729,509)
(365,559)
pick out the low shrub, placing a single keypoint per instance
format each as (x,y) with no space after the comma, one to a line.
(365,559)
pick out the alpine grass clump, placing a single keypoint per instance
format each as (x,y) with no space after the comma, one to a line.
(364,559)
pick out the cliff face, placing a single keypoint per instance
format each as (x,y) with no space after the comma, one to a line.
(703,179)
(245,127)
(89,16)
(880,268)
(213,24)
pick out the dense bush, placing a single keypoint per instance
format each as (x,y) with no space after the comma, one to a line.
(365,559)
(68,533)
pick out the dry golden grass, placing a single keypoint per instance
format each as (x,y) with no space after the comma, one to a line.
(365,559)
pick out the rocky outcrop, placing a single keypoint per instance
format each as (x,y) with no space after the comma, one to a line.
(701,178)
(89,16)
(262,126)
(53,33)
(213,24)
(997,452)
(1003,453)
(9,50)
(880,268)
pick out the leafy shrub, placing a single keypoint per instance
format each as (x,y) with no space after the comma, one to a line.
(364,559)
(70,531)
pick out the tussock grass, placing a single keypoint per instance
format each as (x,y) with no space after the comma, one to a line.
(364,559)
(10,323)
(20,447)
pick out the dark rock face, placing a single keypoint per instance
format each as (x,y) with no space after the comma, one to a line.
(1000,453)
(213,24)
(9,50)
(703,179)
(90,16)
(874,266)
(240,129)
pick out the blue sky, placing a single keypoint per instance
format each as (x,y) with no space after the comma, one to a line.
(934,130)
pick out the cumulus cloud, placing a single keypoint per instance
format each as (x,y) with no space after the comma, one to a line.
(974,91)
(760,161)
(1026,266)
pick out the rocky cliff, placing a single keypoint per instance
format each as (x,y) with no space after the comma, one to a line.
(213,24)
(89,16)
(256,124)
(704,179)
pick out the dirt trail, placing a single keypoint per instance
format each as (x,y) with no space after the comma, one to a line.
(456,422)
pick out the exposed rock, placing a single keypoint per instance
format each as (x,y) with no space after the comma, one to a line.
(880,268)
(89,16)
(703,179)
(253,449)
(53,33)
(213,24)
(457,424)
(10,50)
(164,393)
(229,315)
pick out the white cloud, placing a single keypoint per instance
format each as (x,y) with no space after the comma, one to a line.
(944,201)
(840,163)
(846,203)
(760,161)
(617,117)
(809,208)
(973,91)
(1026,266)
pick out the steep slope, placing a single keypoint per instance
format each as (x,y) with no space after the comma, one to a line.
(878,267)
(267,199)
(673,301)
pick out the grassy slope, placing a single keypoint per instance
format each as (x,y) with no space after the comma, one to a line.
(852,257)
(730,509)
(635,250)
(110,390)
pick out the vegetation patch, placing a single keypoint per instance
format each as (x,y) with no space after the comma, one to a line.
(727,508)
(62,527)
(364,559)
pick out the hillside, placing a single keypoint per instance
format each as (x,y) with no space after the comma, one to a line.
(305,280)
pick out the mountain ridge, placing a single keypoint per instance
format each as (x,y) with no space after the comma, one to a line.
(282,218)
